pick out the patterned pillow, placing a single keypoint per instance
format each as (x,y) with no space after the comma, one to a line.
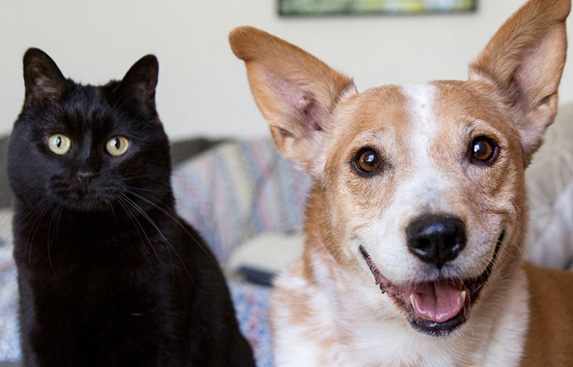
(9,335)
(238,190)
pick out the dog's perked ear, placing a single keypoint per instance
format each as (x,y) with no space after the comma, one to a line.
(524,61)
(295,91)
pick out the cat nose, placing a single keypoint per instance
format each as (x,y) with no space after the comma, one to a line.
(436,239)
(80,184)
(85,177)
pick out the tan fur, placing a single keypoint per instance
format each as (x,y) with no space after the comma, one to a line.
(326,309)
(510,60)
(551,321)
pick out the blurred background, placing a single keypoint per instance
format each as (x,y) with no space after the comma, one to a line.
(203,88)
(229,181)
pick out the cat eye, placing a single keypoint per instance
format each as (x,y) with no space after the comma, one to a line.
(117,146)
(59,144)
(484,150)
(367,162)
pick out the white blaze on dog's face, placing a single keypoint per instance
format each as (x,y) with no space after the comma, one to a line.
(423,137)
(420,183)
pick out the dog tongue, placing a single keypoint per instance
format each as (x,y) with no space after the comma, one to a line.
(437,302)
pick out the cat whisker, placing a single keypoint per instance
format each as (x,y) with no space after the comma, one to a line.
(140,228)
(174,219)
(154,177)
(34,215)
(154,225)
(143,176)
(166,190)
(51,235)
(33,234)
(32,205)
(142,213)
(112,210)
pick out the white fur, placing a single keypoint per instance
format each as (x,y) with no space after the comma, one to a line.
(368,333)
(299,344)
(384,238)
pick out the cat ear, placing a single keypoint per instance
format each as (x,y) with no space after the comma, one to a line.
(138,85)
(524,61)
(43,79)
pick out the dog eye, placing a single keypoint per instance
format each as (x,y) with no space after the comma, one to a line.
(367,161)
(484,150)
(59,144)
(117,146)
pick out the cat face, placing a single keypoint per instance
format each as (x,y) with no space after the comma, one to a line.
(88,148)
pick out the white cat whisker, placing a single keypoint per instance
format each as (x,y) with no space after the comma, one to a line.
(154,225)
(173,218)
(140,228)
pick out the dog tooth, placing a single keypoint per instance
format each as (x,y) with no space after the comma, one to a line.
(412,299)
(464,294)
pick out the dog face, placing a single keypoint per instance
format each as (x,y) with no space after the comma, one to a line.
(423,185)
(425,188)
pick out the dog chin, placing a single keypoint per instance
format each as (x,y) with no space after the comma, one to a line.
(440,307)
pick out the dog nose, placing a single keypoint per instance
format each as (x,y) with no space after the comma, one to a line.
(436,239)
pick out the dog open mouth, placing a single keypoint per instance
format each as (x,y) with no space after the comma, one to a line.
(439,307)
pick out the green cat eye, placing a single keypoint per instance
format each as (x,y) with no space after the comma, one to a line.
(59,144)
(117,146)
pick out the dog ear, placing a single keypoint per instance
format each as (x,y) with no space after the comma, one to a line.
(524,61)
(295,91)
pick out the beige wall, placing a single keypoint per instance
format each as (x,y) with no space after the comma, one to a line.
(203,88)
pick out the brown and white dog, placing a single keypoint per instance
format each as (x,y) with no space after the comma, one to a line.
(417,217)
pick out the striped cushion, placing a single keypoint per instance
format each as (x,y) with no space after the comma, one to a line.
(238,190)
(9,339)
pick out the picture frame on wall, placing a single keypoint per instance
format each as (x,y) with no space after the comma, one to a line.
(290,8)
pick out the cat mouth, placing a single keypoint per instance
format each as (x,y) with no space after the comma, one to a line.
(83,196)
(439,307)
(85,204)
(86,201)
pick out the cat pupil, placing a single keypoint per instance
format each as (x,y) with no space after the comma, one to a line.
(59,142)
(117,144)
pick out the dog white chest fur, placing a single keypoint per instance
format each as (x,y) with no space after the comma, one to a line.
(351,326)
(416,220)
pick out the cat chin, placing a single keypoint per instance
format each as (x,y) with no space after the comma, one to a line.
(86,206)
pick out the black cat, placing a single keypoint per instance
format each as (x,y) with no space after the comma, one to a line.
(108,274)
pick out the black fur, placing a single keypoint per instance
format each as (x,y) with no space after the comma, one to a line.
(108,274)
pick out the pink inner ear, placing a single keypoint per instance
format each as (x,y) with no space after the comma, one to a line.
(311,111)
(539,73)
(297,102)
